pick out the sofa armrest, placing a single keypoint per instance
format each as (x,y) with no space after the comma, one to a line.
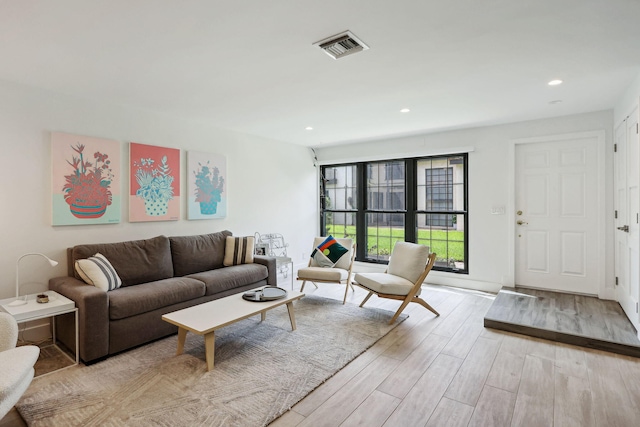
(270,263)
(93,317)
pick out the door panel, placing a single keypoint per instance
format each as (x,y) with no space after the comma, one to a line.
(557,237)
(627,201)
(573,253)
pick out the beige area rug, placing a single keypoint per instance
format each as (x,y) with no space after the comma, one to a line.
(261,370)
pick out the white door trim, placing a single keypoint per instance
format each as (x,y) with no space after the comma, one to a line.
(605,292)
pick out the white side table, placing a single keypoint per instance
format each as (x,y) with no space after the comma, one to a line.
(32,310)
(282,261)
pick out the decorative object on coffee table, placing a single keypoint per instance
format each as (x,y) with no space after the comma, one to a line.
(268,293)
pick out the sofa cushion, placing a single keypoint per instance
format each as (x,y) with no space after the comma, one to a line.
(126,302)
(385,283)
(136,261)
(322,273)
(193,254)
(231,277)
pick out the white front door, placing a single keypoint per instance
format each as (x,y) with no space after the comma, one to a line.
(627,201)
(558,199)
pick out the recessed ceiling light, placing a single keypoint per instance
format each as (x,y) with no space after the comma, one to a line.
(554,82)
(405,110)
(556,101)
(308,128)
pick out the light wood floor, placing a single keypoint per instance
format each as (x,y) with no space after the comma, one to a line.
(451,371)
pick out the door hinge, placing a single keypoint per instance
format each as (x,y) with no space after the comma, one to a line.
(636,307)
(616,280)
(636,127)
(615,148)
(616,215)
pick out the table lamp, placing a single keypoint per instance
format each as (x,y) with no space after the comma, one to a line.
(18,301)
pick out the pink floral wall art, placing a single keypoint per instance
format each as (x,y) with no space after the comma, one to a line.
(85,180)
(206,185)
(154,183)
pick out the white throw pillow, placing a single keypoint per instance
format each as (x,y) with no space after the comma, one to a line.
(238,250)
(99,272)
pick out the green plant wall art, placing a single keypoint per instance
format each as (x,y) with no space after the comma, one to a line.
(85,180)
(206,185)
(154,183)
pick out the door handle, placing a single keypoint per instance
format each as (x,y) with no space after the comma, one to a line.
(624,228)
(520,222)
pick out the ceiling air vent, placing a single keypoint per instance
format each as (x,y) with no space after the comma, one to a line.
(341,45)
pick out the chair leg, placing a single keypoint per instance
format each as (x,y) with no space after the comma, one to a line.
(402,307)
(366,299)
(346,291)
(352,288)
(314,284)
(426,305)
(302,287)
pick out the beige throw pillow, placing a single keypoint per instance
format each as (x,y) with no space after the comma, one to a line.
(99,272)
(238,250)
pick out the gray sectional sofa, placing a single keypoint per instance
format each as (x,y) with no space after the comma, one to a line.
(159,275)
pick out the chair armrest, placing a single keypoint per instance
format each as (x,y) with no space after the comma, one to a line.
(93,317)
(16,364)
(270,263)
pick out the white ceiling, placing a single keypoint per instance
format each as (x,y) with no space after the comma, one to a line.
(249,65)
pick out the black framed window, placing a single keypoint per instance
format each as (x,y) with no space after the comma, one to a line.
(422,200)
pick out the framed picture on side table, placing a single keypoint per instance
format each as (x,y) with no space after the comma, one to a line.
(261,249)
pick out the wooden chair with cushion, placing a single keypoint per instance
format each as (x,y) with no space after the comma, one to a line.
(408,267)
(340,273)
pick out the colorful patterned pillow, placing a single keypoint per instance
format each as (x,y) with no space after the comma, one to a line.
(238,250)
(328,252)
(99,272)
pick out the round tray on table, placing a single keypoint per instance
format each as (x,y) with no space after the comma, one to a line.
(268,293)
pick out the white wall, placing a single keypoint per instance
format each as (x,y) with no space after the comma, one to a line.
(271,186)
(627,102)
(488,186)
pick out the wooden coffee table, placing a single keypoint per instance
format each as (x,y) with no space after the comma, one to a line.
(205,319)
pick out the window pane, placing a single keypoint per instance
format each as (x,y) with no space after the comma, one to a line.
(440,184)
(340,225)
(383,231)
(444,234)
(385,186)
(340,188)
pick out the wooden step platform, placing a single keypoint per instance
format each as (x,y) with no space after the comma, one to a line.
(572,319)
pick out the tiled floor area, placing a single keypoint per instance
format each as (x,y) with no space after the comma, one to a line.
(572,319)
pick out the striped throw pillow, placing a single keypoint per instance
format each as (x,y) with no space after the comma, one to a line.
(238,250)
(99,272)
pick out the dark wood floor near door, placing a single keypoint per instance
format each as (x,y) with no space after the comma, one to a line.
(571,319)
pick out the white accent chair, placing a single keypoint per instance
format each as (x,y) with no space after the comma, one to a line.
(408,267)
(339,273)
(16,364)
